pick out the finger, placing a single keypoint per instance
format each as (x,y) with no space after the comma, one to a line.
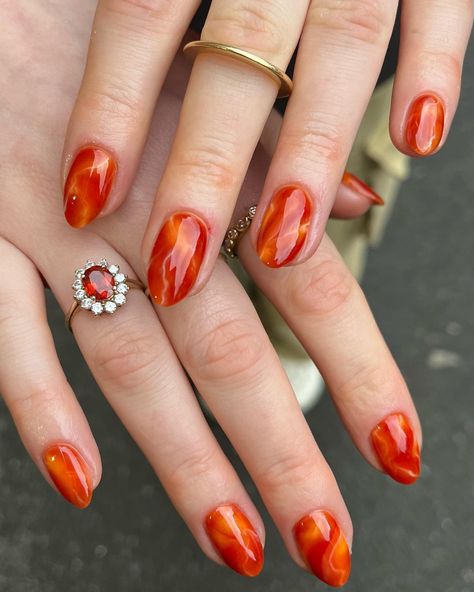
(223,114)
(225,350)
(137,369)
(327,311)
(349,41)
(132,46)
(50,421)
(434,37)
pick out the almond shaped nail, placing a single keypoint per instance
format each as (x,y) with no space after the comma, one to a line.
(425,124)
(69,473)
(235,539)
(285,226)
(323,547)
(88,185)
(394,442)
(358,186)
(176,258)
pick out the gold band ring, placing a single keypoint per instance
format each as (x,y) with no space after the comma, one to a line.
(235,233)
(283,80)
(100,288)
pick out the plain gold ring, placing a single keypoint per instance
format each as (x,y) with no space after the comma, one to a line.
(284,82)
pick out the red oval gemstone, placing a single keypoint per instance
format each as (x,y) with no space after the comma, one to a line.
(98,282)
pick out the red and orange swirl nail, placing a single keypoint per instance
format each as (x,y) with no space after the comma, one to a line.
(358,186)
(176,258)
(394,442)
(425,124)
(285,226)
(235,539)
(69,473)
(323,547)
(88,185)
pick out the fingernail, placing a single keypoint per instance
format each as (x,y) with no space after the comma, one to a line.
(355,184)
(425,124)
(176,258)
(88,185)
(284,226)
(235,539)
(70,474)
(323,547)
(397,449)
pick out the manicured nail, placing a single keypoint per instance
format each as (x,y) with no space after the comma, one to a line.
(425,124)
(323,547)
(235,539)
(88,185)
(70,474)
(398,451)
(176,258)
(284,226)
(355,184)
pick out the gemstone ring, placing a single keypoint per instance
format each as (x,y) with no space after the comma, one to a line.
(100,288)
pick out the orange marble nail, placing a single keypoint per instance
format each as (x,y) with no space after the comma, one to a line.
(235,539)
(69,473)
(355,184)
(176,258)
(425,124)
(323,547)
(284,226)
(88,185)
(397,449)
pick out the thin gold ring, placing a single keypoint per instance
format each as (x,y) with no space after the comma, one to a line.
(283,80)
(235,232)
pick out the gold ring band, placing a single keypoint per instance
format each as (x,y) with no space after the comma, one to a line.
(283,80)
(235,233)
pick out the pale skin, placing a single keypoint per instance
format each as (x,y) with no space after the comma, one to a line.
(136,355)
(341,49)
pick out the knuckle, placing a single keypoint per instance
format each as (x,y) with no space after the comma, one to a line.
(319,139)
(255,26)
(195,467)
(146,15)
(441,64)
(321,288)
(126,355)
(114,100)
(212,163)
(35,401)
(294,467)
(230,349)
(364,20)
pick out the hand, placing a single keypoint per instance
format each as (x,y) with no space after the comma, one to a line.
(136,354)
(341,49)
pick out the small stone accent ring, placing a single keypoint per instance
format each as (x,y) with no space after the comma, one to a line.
(100,288)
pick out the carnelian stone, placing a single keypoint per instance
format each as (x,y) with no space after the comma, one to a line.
(98,282)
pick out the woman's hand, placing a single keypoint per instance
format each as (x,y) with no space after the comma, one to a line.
(342,44)
(137,355)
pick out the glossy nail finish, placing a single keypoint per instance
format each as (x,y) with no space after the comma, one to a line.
(397,449)
(284,226)
(70,473)
(235,539)
(355,184)
(425,124)
(323,547)
(88,185)
(176,258)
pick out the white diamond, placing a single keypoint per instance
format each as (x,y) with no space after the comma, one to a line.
(77,285)
(79,295)
(87,303)
(89,263)
(103,262)
(119,278)
(113,269)
(97,308)
(122,288)
(79,273)
(120,299)
(110,307)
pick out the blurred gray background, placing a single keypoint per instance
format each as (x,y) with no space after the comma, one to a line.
(420,284)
